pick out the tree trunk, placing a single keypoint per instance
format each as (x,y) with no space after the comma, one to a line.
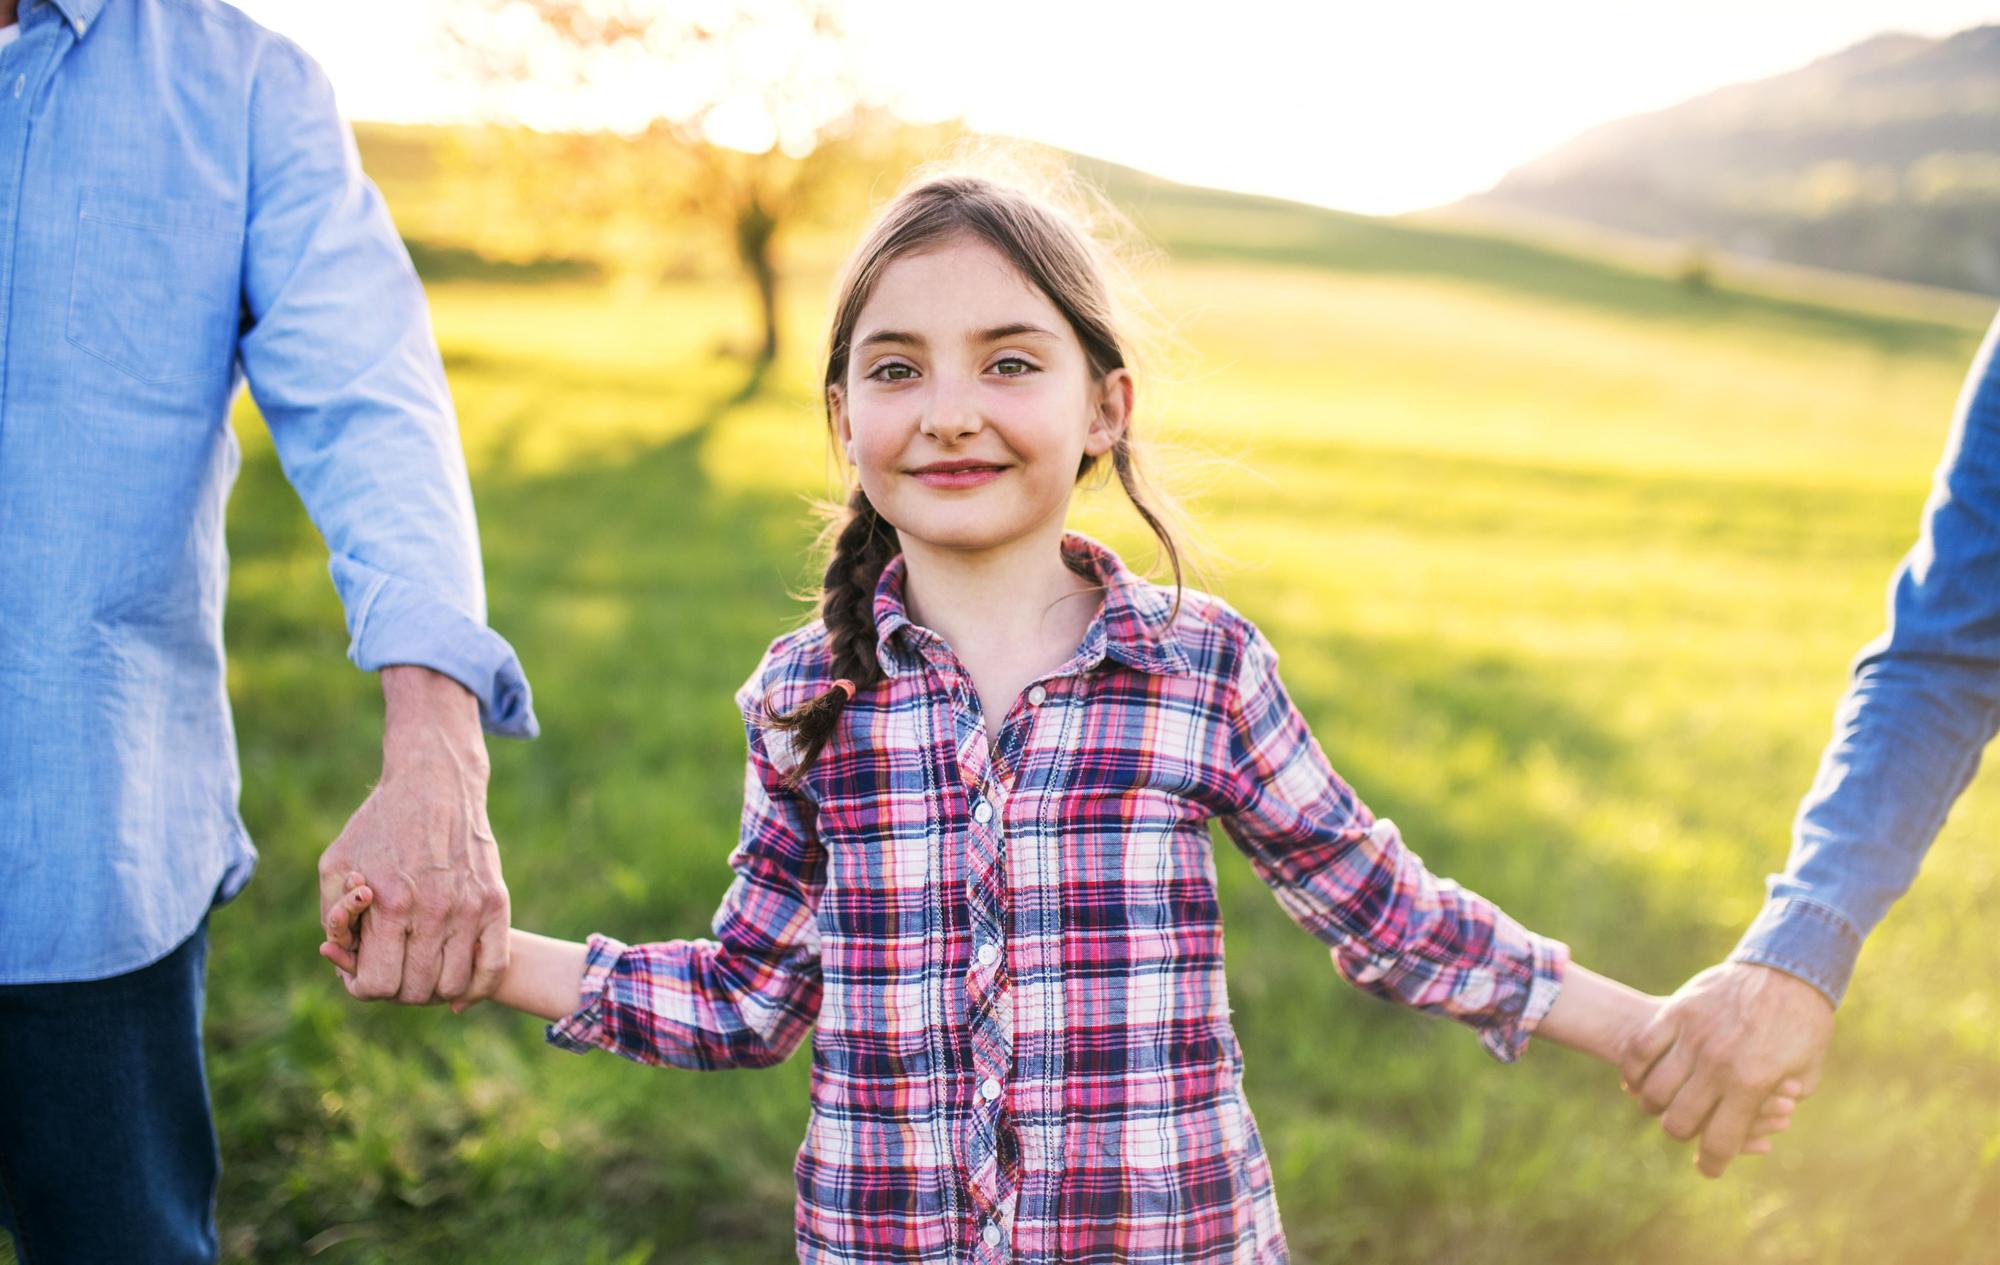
(755,227)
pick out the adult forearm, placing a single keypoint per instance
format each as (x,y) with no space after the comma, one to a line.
(427,716)
(1907,742)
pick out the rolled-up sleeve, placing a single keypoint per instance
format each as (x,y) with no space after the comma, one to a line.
(338,351)
(1395,929)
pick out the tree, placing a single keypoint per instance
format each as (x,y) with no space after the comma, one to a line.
(744,113)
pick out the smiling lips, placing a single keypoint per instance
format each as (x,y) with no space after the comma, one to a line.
(957,474)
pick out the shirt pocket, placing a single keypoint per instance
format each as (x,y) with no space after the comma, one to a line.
(155,289)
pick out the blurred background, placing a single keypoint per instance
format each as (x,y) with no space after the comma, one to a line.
(1557,384)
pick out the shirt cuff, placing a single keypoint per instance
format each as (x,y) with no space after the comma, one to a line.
(398,622)
(582,1030)
(1805,938)
(1548,960)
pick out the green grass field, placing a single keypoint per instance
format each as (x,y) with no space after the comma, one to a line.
(1565,564)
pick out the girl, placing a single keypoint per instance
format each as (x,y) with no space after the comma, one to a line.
(975,859)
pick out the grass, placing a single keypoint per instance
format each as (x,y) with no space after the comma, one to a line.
(1565,564)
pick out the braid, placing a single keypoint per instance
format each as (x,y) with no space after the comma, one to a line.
(861,549)
(1134,482)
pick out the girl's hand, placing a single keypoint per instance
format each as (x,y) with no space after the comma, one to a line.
(1774,1117)
(343,929)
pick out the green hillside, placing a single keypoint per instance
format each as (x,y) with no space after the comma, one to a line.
(1882,159)
(1565,562)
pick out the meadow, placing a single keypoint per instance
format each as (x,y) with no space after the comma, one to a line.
(1565,563)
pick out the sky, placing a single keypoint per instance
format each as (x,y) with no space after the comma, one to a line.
(1380,107)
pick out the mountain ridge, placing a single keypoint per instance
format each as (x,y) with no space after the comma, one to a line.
(1881,158)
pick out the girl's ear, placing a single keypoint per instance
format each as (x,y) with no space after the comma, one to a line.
(843,430)
(1111,412)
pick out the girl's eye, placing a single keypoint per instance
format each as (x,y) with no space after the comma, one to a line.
(1019,367)
(893,372)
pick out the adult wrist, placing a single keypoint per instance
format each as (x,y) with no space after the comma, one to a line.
(1803,938)
(427,715)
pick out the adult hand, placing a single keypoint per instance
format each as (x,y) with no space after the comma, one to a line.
(437,923)
(1720,1047)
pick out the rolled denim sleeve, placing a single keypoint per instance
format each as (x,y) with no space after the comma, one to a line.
(1923,704)
(339,354)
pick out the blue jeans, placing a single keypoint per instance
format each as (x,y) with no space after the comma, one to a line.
(107,1151)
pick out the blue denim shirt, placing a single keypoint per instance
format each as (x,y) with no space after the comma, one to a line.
(1923,704)
(181,208)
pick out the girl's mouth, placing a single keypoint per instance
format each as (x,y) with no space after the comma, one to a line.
(957,474)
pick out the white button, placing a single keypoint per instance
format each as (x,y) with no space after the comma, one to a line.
(1383,831)
(81,26)
(20,82)
(991,1234)
(989,1089)
(1037,696)
(982,812)
(988,954)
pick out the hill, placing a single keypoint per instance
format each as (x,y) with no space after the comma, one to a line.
(1881,159)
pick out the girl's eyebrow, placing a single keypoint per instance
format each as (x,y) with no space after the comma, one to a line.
(994,335)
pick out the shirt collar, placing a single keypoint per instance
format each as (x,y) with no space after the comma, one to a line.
(1133,626)
(79,13)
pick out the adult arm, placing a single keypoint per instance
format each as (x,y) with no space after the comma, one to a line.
(1923,703)
(338,351)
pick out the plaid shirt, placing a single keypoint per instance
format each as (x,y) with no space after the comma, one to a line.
(1010,956)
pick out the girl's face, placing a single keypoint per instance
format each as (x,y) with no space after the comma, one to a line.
(968,402)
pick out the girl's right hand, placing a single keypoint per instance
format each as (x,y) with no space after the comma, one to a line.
(343,929)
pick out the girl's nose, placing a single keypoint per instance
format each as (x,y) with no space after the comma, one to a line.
(952,412)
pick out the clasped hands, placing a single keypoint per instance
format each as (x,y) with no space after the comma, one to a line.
(438,908)
(1728,1057)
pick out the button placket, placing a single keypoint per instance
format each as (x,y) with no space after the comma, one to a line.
(986,999)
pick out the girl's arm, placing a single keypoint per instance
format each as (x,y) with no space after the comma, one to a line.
(1596,1015)
(1394,929)
(1397,930)
(544,976)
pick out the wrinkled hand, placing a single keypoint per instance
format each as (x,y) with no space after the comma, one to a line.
(1731,1040)
(438,917)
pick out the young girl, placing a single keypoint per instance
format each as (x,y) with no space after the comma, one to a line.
(975,858)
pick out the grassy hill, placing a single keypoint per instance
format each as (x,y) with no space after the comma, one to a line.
(1565,562)
(1881,159)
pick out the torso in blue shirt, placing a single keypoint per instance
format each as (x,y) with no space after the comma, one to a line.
(179,204)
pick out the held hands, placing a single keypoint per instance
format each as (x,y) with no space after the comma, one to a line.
(1736,1042)
(544,976)
(343,937)
(1608,1020)
(438,926)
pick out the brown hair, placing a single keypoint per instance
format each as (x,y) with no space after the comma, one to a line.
(1064,263)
